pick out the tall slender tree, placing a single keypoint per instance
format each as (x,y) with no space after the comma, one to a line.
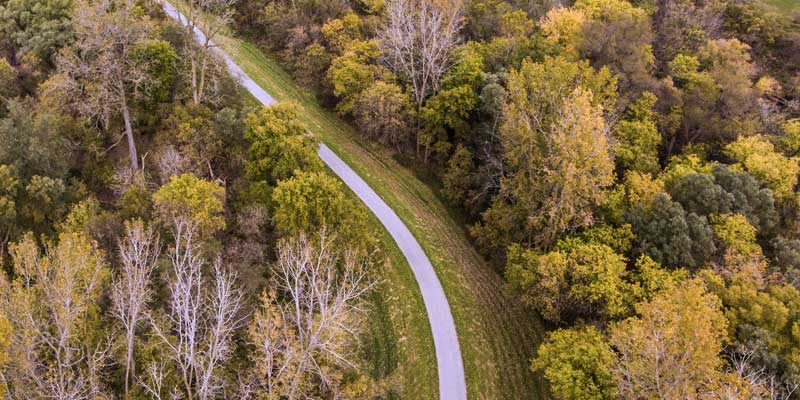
(100,75)
(131,291)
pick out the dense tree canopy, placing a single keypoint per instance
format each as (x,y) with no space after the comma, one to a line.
(628,166)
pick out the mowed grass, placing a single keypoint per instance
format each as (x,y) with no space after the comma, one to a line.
(497,335)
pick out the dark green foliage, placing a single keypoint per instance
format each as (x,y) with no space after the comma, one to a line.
(670,235)
(160,60)
(29,144)
(749,199)
(39,27)
(726,191)
(698,194)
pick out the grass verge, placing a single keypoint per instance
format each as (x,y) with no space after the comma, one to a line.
(497,335)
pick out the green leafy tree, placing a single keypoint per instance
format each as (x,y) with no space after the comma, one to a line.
(9,184)
(555,153)
(750,200)
(671,350)
(30,143)
(279,144)
(736,234)
(352,73)
(311,201)
(39,27)
(757,155)
(339,33)
(790,142)
(200,201)
(583,279)
(577,363)
(514,40)
(161,64)
(459,179)
(764,321)
(670,235)
(637,137)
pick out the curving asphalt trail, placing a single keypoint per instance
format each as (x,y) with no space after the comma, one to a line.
(452,384)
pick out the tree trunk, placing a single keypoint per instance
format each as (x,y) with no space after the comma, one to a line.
(195,98)
(202,85)
(126,117)
(128,362)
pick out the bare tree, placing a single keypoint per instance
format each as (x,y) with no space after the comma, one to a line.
(131,290)
(758,381)
(204,20)
(55,355)
(202,319)
(100,74)
(418,40)
(307,321)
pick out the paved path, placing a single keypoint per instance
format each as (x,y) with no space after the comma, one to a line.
(452,384)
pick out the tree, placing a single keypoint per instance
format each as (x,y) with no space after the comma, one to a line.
(684,25)
(132,290)
(757,156)
(8,81)
(581,280)
(201,319)
(670,235)
(5,343)
(637,137)
(714,96)
(352,73)
(279,145)
(307,322)
(161,66)
(555,152)
(563,28)
(30,142)
(447,114)
(100,73)
(205,19)
(311,200)
(59,349)
(381,113)
(750,200)
(201,201)
(418,40)
(577,363)
(736,234)
(699,194)
(515,40)
(672,349)
(612,33)
(39,27)
(763,322)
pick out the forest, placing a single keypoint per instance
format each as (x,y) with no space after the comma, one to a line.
(626,168)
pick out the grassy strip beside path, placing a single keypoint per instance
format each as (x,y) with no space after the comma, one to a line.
(497,336)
